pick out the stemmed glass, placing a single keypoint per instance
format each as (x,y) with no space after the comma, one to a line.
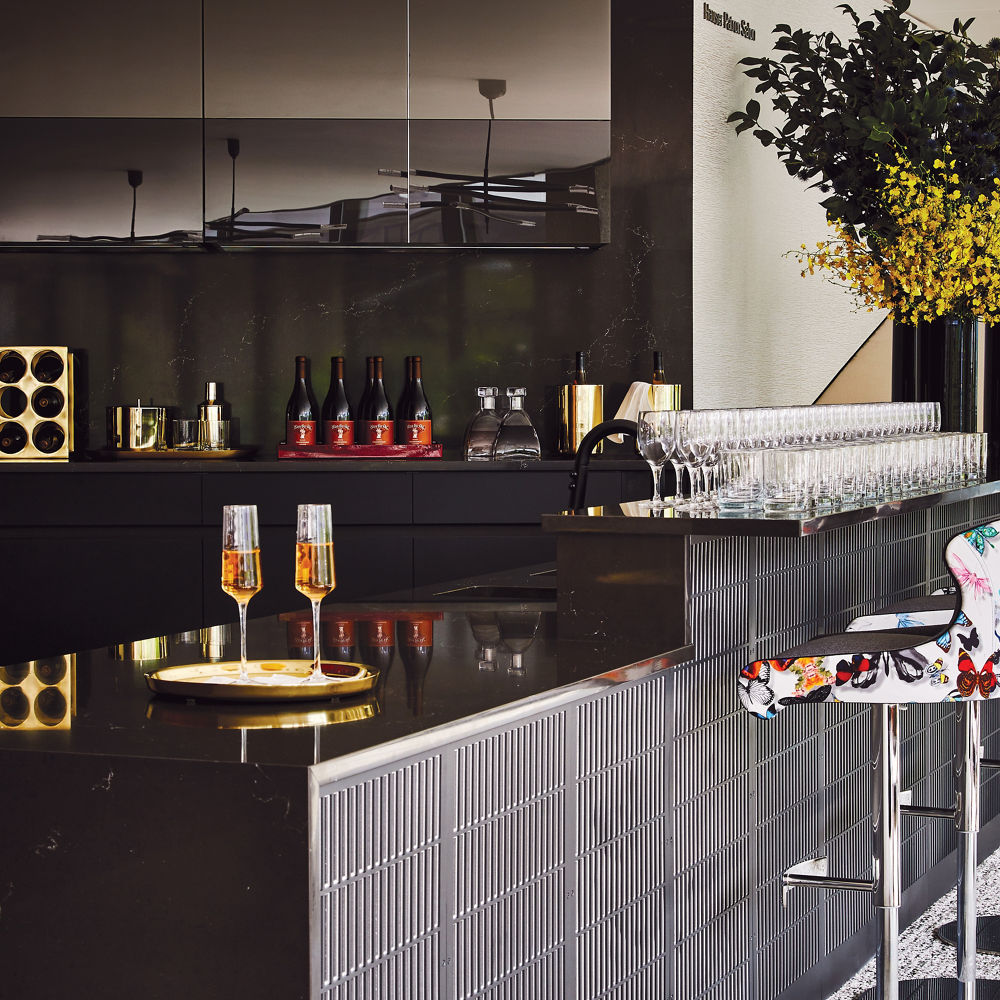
(314,575)
(655,438)
(241,566)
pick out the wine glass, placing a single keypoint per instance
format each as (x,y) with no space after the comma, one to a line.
(655,438)
(241,565)
(314,575)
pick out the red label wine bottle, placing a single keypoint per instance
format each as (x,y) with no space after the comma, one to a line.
(376,419)
(414,417)
(302,413)
(337,415)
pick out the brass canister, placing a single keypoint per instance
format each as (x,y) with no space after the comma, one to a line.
(581,408)
(137,428)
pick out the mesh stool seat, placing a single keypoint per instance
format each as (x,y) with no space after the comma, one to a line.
(927,650)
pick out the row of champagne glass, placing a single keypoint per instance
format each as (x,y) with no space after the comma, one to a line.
(829,477)
(695,439)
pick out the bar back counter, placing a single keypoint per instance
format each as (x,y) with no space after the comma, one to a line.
(606,822)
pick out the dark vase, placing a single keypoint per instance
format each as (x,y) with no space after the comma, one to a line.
(936,361)
(991,399)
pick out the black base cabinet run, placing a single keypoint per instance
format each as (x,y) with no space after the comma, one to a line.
(132,550)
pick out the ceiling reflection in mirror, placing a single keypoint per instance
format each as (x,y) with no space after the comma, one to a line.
(313,126)
(101,181)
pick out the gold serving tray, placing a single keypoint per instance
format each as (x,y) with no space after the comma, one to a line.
(270,680)
(219,716)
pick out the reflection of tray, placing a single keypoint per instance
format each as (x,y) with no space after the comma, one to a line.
(178,454)
(198,716)
(271,680)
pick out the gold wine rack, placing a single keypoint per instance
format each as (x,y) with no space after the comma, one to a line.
(36,404)
(38,694)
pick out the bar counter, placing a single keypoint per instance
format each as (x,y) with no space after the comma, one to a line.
(593,826)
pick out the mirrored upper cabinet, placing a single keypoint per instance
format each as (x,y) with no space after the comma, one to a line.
(319,123)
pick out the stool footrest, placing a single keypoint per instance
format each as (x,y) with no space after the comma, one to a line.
(929,812)
(813,873)
(989,762)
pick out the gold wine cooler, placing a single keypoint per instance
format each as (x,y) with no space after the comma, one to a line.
(38,694)
(581,408)
(36,404)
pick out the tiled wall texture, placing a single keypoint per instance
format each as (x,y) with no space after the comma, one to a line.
(630,845)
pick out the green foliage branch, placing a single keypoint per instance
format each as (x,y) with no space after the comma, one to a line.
(844,107)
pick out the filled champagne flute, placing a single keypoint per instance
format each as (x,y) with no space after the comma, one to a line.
(314,574)
(241,566)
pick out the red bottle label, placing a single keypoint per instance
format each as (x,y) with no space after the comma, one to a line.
(379,633)
(417,432)
(300,432)
(338,633)
(338,431)
(377,432)
(420,632)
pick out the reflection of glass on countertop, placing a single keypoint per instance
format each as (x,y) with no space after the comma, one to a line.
(486,631)
(517,633)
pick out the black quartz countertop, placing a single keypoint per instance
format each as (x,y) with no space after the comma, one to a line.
(112,712)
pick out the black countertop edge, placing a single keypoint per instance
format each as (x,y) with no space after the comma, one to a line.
(605,520)
(318,465)
(503,716)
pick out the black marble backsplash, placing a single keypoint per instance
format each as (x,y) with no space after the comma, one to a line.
(159,324)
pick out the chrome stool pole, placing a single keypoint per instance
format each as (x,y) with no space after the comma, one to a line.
(887,855)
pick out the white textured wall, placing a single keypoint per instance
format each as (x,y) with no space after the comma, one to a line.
(763,335)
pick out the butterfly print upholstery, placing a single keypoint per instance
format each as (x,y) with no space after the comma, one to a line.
(892,666)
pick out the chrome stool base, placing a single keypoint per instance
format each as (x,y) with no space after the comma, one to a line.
(987,934)
(940,989)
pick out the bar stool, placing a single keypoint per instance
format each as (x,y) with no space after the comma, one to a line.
(885,669)
(930,614)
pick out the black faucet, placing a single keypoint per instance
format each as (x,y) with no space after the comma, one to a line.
(578,477)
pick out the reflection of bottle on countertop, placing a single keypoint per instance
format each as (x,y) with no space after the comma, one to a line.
(516,438)
(338,639)
(482,430)
(416,647)
(378,648)
(486,631)
(517,632)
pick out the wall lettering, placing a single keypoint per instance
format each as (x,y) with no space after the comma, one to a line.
(723,20)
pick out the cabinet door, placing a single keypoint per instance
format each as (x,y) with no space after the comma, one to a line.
(510,122)
(88,94)
(305,106)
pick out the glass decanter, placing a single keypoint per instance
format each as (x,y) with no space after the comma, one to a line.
(483,427)
(516,438)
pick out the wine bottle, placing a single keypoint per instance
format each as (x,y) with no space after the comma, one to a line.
(48,437)
(51,670)
(658,376)
(47,402)
(212,416)
(12,367)
(14,706)
(47,366)
(376,421)
(338,639)
(50,706)
(13,438)
(337,416)
(302,413)
(414,419)
(580,376)
(366,392)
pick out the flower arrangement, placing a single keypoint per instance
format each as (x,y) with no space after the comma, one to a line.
(848,107)
(942,257)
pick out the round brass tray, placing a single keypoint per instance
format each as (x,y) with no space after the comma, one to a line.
(256,715)
(270,680)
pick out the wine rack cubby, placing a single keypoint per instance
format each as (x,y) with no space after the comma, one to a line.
(36,404)
(38,694)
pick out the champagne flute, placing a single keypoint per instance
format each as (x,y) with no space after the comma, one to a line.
(241,566)
(314,575)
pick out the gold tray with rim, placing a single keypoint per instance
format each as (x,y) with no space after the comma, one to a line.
(257,716)
(270,680)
